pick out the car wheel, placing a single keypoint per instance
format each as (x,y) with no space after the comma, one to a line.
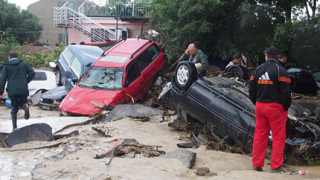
(58,78)
(186,74)
(237,71)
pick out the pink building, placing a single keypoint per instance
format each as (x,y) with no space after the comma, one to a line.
(82,28)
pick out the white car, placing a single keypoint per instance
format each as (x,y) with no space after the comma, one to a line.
(43,81)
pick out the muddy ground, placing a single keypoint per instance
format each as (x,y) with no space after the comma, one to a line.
(74,158)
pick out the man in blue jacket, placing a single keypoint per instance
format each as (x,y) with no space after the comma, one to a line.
(18,74)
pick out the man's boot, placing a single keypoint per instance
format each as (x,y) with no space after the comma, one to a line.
(26,111)
(14,121)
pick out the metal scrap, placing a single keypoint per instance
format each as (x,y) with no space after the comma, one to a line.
(101,132)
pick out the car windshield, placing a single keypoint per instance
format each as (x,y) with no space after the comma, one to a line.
(103,78)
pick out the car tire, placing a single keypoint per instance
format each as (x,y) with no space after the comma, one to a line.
(186,74)
(237,71)
(58,78)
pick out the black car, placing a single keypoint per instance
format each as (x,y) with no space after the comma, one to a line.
(223,107)
(316,74)
(71,65)
(302,81)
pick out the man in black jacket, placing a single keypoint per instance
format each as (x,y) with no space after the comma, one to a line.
(270,91)
(18,74)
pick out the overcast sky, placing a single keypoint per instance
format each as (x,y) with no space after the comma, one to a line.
(22,3)
(25,3)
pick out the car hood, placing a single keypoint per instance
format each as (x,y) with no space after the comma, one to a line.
(81,101)
(55,94)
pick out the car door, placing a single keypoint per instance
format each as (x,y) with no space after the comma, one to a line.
(229,114)
(134,83)
(148,64)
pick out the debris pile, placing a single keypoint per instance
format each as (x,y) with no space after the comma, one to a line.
(131,148)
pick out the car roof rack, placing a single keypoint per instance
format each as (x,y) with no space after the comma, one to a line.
(113,45)
(134,53)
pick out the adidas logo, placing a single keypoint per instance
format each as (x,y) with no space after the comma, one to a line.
(265,76)
(265,79)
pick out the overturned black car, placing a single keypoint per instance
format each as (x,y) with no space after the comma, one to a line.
(223,106)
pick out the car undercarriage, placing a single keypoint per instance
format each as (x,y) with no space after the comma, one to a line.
(223,107)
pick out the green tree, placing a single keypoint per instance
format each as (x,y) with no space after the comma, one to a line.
(23,25)
(220,27)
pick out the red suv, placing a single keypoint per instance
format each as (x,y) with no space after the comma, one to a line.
(123,74)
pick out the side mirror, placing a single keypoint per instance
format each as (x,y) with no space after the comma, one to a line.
(75,80)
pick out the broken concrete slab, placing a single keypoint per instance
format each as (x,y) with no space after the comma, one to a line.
(34,145)
(66,133)
(188,158)
(57,124)
(34,132)
(36,98)
(132,110)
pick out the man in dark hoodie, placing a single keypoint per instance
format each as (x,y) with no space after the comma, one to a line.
(18,74)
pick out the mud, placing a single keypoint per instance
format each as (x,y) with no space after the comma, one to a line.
(73,157)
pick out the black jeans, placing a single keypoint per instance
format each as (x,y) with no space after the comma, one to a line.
(17,101)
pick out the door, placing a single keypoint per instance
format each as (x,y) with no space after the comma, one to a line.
(134,83)
(148,65)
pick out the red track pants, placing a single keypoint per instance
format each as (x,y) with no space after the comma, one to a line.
(269,116)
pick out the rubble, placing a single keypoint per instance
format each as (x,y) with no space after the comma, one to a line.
(130,148)
(188,158)
(202,171)
(132,110)
(35,145)
(34,132)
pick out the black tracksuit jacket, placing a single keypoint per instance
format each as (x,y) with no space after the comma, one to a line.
(270,82)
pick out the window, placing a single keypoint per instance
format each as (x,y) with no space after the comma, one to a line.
(67,54)
(103,78)
(133,72)
(143,60)
(147,56)
(76,67)
(153,51)
(40,76)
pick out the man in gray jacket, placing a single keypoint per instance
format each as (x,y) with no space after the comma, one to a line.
(18,74)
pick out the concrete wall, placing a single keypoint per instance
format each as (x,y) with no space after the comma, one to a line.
(43,9)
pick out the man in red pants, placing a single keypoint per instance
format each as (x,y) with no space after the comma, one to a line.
(270,91)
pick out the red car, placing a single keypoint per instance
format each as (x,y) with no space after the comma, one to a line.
(123,74)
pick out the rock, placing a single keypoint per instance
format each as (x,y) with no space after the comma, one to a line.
(202,171)
(129,155)
(188,158)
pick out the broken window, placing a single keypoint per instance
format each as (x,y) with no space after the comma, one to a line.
(103,78)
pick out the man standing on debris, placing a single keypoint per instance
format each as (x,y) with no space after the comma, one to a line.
(196,56)
(270,91)
(18,74)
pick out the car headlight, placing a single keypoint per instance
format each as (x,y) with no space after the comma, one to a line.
(64,113)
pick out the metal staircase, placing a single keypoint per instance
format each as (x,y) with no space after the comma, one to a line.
(67,17)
